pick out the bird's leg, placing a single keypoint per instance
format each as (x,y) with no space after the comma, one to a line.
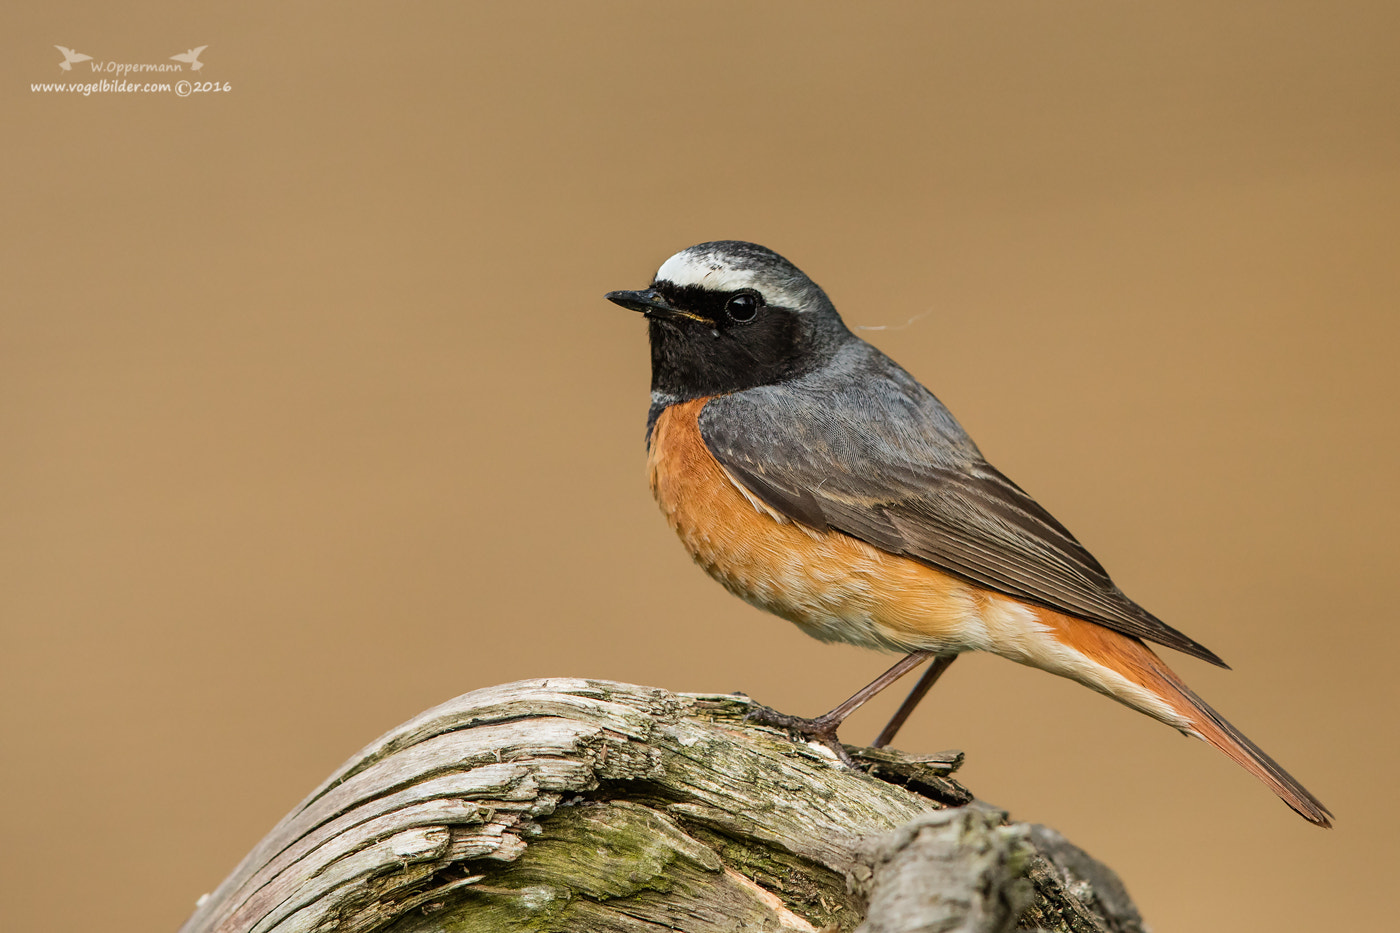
(926,680)
(823,728)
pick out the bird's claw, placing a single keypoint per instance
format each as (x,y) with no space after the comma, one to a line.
(821,730)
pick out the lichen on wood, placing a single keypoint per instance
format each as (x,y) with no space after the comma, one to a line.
(570,805)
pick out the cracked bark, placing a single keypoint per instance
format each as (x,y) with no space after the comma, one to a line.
(579,805)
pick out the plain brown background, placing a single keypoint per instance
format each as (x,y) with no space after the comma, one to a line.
(312,413)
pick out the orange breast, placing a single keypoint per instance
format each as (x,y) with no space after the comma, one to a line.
(836,587)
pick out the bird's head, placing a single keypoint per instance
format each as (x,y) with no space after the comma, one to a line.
(728,315)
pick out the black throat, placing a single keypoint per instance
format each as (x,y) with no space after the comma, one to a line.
(693,359)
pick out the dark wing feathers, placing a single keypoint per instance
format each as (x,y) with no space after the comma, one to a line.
(927,496)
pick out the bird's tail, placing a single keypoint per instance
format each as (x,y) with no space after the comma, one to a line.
(1215,729)
(1134,661)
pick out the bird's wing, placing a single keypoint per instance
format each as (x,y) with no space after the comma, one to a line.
(876,456)
(195,51)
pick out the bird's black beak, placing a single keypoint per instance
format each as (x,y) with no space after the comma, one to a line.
(651,303)
(647,301)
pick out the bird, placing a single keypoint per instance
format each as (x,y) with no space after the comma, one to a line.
(815,478)
(70,57)
(190,58)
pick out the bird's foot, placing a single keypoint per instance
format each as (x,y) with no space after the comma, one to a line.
(822,729)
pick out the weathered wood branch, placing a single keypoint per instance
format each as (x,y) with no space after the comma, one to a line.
(578,805)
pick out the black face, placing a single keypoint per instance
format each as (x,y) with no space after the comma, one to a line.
(705,342)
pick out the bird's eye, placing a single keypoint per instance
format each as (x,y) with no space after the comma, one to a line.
(743,307)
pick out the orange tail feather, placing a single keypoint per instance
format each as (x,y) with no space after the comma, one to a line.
(1217,730)
(1138,663)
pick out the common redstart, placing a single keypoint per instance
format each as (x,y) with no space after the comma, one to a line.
(813,477)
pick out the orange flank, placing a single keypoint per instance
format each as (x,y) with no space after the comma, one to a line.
(834,586)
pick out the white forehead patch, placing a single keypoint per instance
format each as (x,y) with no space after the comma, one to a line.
(713,271)
(707,270)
